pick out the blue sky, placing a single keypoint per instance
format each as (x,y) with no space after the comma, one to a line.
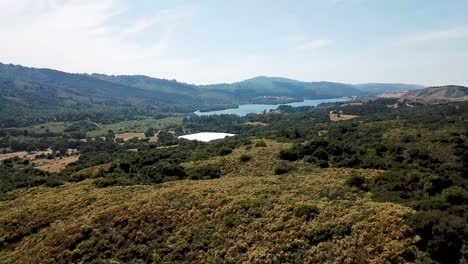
(208,41)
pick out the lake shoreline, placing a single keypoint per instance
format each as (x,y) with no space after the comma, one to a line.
(245,109)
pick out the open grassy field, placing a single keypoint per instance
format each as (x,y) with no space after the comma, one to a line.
(55,127)
(137,126)
(127,136)
(132,126)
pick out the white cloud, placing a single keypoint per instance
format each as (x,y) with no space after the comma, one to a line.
(166,18)
(314,44)
(450,34)
(81,36)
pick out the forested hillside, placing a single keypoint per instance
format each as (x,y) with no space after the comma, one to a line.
(32,96)
(275,86)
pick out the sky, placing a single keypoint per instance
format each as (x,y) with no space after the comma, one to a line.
(211,41)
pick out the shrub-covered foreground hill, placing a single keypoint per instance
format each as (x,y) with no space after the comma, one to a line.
(309,216)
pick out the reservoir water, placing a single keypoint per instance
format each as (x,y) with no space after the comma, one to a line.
(207,136)
(243,110)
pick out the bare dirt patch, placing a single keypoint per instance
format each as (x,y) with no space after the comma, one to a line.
(155,137)
(255,124)
(127,136)
(393,95)
(395,106)
(353,103)
(167,147)
(340,116)
(24,154)
(54,165)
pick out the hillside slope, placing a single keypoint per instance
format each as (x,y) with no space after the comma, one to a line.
(380,88)
(169,87)
(274,86)
(439,93)
(230,220)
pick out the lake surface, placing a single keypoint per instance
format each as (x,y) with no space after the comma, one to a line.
(258,108)
(207,136)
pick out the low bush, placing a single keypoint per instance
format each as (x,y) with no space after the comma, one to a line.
(223,151)
(245,158)
(327,232)
(260,144)
(206,172)
(283,168)
(306,211)
(357,181)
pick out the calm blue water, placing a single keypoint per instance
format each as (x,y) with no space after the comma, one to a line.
(258,108)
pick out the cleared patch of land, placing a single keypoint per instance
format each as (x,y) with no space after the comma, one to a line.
(155,137)
(255,124)
(340,116)
(393,95)
(127,136)
(24,154)
(54,165)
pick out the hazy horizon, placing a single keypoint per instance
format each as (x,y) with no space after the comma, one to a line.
(206,42)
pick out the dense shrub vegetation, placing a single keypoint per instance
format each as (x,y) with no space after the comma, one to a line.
(421,152)
(16,173)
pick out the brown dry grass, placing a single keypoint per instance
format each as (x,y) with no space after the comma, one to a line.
(155,137)
(24,154)
(127,136)
(265,228)
(393,95)
(334,117)
(54,165)
(255,124)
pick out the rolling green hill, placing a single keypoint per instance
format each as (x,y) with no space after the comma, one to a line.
(183,90)
(32,96)
(275,86)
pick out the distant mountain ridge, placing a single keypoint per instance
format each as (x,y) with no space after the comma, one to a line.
(276,86)
(51,94)
(279,86)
